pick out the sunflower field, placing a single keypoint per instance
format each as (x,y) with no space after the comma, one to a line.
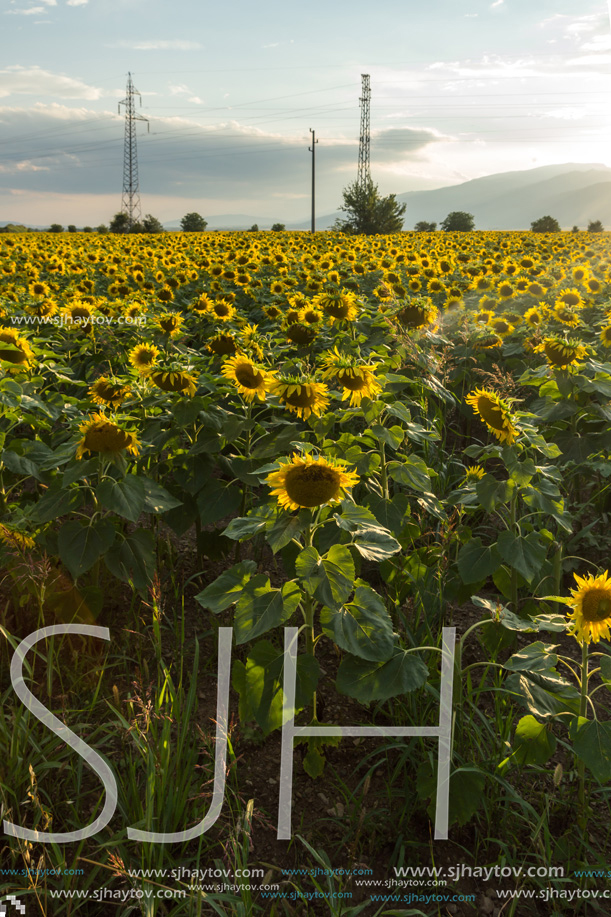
(393,450)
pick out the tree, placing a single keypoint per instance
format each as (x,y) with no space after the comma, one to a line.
(56,227)
(151,224)
(575,229)
(458,221)
(595,226)
(87,229)
(545,224)
(101,229)
(120,223)
(278,227)
(423,226)
(193,222)
(71,228)
(254,228)
(368,213)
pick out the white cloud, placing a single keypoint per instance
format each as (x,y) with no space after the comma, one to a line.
(496,3)
(76,2)
(174,44)
(36,81)
(31,11)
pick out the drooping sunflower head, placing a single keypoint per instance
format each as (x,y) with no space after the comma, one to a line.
(106,436)
(338,305)
(109,392)
(174,380)
(495,413)
(502,327)
(566,315)
(301,397)
(591,614)
(15,540)
(251,381)
(307,482)
(43,307)
(170,323)
(15,350)
(418,313)
(222,345)
(560,353)
(143,357)
(300,333)
(357,381)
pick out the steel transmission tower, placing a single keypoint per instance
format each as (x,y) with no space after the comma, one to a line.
(364,173)
(130,201)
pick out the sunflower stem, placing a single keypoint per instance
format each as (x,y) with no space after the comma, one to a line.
(383,474)
(581,767)
(514,572)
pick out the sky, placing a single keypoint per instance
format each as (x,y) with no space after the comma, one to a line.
(459,89)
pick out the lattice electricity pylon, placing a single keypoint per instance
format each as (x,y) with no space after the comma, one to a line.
(130,201)
(364,173)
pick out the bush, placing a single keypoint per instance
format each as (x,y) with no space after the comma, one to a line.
(458,221)
(545,224)
(423,226)
(595,226)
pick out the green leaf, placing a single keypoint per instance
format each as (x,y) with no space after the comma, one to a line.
(133,559)
(545,694)
(226,588)
(538,657)
(592,743)
(55,503)
(125,497)
(331,577)
(81,545)
(19,464)
(368,681)
(412,472)
(362,627)
(391,436)
(466,791)
(490,492)
(216,501)
(375,544)
(524,553)
(605,669)
(156,498)
(261,608)
(355,517)
(282,530)
(79,470)
(244,527)
(390,514)
(534,743)
(476,562)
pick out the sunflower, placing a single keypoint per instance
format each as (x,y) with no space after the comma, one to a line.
(108,392)
(221,310)
(13,538)
(566,316)
(570,298)
(170,323)
(43,308)
(591,612)
(300,334)
(15,350)
(174,380)
(310,316)
(605,336)
(473,474)
(304,481)
(495,413)
(505,290)
(560,352)
(337,305)
(106,436)
(250,380)
(534,316)
(501,327)
(143,357)
(272,311)
(416,314)
(223,345)
(483,317)
(78,314)
(358,382)
(303,398)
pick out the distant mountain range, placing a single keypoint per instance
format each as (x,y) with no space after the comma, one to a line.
(572,193)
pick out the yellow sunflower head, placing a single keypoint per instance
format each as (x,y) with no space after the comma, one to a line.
(416,314)
(303,398)
(570,298)
(221,310)
(300,334)
(250,380)
(338,305)
(306,482)
(143,357)
(591,614)
(15,540)
(15,350)
(222,345)
(108,392)
(495,413)
(105,436)
(473,474)
(535,316)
